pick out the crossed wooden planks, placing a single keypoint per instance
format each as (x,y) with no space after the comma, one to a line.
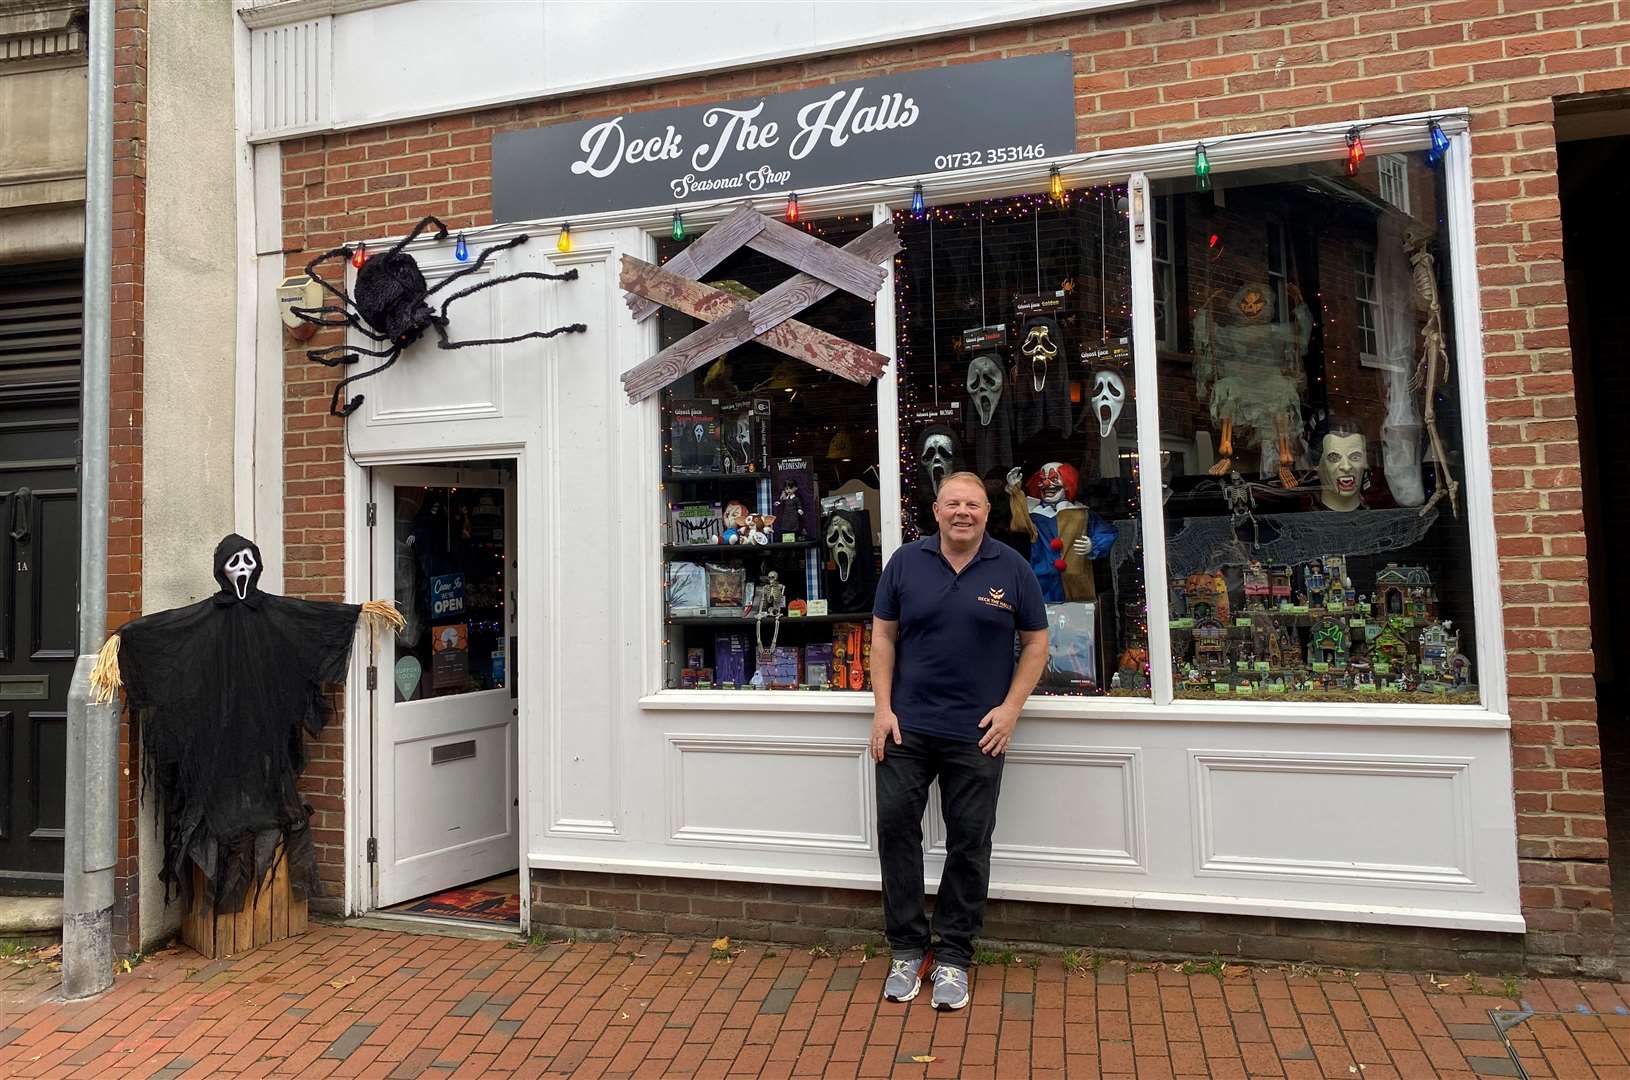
(824,269)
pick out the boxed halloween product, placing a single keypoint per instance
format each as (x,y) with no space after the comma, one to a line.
(696,523)
(693,437)
(745,436)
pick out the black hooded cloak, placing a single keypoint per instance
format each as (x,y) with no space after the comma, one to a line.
(224,691)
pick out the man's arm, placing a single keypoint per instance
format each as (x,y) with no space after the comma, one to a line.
(1000,721)
(884,724)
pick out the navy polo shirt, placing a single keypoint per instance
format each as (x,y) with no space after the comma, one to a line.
(954,654)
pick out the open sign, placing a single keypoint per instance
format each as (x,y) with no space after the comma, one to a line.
(446,596)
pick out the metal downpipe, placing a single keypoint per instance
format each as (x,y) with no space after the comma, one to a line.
(90,844)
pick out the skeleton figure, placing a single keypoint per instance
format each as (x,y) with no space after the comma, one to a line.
(1432,370)
(1108,396)
(985,386)
(772,604)
(1251,370)
(1241,503)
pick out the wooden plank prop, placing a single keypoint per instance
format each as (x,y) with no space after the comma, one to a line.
(768,319)
(271,912)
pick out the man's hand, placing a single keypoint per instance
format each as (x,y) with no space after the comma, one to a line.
(884,727)
(1000,723)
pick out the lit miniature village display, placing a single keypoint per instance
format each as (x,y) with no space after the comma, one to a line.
(1304,632)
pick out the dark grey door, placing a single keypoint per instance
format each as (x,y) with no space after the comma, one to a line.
(40,320)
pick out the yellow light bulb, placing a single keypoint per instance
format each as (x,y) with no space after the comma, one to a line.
(564,241)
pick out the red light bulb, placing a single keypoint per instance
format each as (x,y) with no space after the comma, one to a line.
(359,256)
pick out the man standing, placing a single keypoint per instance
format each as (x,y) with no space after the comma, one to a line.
(948,694)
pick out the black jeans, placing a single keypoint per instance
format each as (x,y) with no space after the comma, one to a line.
(970,782)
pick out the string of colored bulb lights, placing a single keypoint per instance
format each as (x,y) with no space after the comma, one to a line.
(1057,190)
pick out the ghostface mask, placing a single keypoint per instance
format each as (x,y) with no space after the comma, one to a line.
(841,544)
(1108,395)
(985,386)
(238,567)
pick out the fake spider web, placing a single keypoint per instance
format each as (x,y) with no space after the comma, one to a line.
(1200,545)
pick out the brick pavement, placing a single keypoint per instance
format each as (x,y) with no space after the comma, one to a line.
(344,1001)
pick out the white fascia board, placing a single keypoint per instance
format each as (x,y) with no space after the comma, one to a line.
(381,67)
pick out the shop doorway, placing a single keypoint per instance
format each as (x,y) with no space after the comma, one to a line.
(1593,163)
(445,841)
(41,309)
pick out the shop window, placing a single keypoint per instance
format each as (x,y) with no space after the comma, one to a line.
(1014,362)
(770,483)
(1316,539)
(1165,276)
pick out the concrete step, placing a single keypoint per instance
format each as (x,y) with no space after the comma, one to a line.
(30,921)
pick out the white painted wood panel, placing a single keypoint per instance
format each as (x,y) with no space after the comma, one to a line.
(725,790)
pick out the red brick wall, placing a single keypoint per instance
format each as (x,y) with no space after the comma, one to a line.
(125,413)
(1175,72)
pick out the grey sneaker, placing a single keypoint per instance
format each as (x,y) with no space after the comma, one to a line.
(950,987)
(905,977)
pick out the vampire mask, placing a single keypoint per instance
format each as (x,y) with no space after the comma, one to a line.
(985,385)
(1108,395)
(238,566)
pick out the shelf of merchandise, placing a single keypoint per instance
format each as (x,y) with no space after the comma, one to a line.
(734,549)
(743,620)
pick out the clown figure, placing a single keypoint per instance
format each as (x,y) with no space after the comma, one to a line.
(1063,533)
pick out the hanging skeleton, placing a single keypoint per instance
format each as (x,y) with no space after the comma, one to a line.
(772,604)
(1241,504)
(226,690)
(1432,370)
(1252,371)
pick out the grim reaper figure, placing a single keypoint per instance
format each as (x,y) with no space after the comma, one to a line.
(225,691)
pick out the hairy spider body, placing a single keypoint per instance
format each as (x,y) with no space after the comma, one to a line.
(392,307)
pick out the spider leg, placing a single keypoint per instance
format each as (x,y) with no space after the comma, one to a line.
(441,233)
(536,275)
(311,271)
(336,355)
(347,318)
(448,343)
(480,261)
(334,407)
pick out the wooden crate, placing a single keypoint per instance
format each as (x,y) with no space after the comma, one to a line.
(273,913)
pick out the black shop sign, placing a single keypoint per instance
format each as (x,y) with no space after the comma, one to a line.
(912,124)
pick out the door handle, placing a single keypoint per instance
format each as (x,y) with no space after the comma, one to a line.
(22,512)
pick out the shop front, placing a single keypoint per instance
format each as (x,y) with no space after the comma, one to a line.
(1226,396)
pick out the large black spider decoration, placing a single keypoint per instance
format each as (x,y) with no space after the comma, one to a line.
(392,306)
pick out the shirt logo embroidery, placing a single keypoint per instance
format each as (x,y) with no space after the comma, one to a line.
(994,599)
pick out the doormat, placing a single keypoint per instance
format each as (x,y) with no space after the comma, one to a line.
(469,904)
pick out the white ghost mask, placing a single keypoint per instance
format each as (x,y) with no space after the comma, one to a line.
(239,569)
(1108,396)
(985,386)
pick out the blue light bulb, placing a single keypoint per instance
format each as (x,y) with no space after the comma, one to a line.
(917,203)
(461,250)
(1440,144)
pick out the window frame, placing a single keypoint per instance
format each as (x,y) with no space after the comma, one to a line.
(1366,267)
(1136,167)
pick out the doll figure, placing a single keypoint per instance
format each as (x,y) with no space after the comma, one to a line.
(1064,535)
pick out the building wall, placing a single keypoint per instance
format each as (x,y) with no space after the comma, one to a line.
(42,158)
(188,375)
(1170,73)
(124,522)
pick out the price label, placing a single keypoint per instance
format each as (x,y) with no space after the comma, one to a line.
(1221,688)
